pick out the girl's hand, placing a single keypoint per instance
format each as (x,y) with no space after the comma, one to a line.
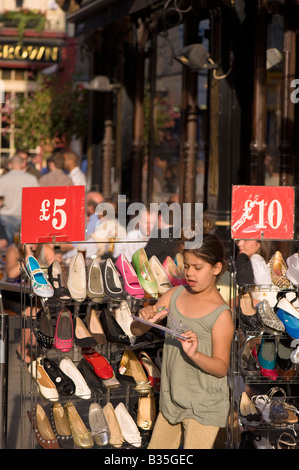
(189,345)
(153,313)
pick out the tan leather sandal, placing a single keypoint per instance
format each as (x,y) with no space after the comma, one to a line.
(286,441)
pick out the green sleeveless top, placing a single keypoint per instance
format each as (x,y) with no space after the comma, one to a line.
(187,391)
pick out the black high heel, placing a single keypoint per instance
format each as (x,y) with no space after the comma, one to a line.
(58,281)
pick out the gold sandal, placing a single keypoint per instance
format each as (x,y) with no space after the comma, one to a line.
(286,441)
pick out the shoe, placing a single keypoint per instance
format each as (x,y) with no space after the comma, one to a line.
(249,414)
(261,272)
(262,403)
(249,317)
(113,331)
(45,385)
(277,413)
(249,364)
(45,332)
(244,274)
(152,370)
(160,275)
(61,427)
(127,425)
(146,413)
(83,338)
(278,269)
(99,363)
(266,357)
(95,285)
(81,436)
(95,327)
(64,384)
(289,316)
(179,261)
(44,434)
(112,285)
(247,440)
(116,437)
(82,390)
(76,281)
(174,274)
(144,273)
(124,318)
(58,281)
(284,363)
(293,269)
(40,283)
(129,365)
(98,425)
(64,332)
(286,441)
(93,381)
(269,318)
(130,278)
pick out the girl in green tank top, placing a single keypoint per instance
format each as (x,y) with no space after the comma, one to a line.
(194,395)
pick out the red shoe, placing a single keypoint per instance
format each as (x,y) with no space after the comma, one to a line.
(99,363)
(174,274)
(152,370)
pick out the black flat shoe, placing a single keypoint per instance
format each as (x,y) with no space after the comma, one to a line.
(58,282)
(93,381)
(83,338)
(45,332)
(113,331)
(111,280)
(64,384)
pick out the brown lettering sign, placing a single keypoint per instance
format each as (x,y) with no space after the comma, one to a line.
(35,53)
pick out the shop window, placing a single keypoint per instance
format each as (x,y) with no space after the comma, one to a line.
(8,131)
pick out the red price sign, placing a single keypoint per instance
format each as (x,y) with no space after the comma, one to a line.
(53,213)
(263,212)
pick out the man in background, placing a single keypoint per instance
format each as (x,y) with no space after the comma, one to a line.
(11,185)
(56,175)
(71,165)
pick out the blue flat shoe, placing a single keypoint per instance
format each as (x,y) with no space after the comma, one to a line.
(40,284)
(289,316)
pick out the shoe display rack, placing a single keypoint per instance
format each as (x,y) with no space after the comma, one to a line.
(265,357)
(89,382)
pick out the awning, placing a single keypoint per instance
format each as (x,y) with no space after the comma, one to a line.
(102,12)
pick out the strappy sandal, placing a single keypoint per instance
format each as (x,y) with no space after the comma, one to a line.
(277,414)
(286,441)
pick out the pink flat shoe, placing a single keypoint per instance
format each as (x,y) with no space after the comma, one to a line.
(128,273)
(175,275)
(64,331)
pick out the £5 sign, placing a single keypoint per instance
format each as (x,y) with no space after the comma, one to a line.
(263,212)
(53,214)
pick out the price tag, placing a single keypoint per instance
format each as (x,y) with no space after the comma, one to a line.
(53,213)
(263,212)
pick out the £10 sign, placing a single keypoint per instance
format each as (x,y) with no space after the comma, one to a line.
(263,212)
(53,214)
